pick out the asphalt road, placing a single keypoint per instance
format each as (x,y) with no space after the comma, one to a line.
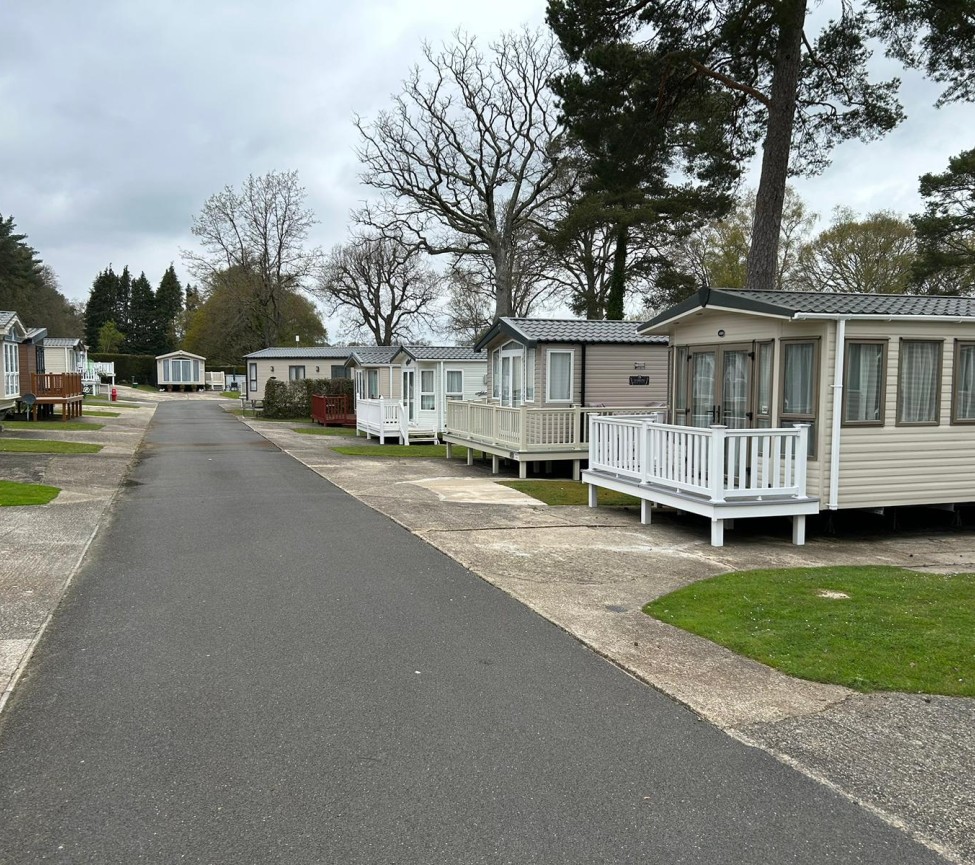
(254,667)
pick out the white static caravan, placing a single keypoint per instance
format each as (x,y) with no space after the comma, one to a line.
(378,394)
(432,375)
(881,388)
(12,333)
(180,370)
(64,354)
(545,377)
(292,363)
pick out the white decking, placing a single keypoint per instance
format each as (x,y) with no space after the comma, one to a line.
(387,418)
(716,472)
(525,434)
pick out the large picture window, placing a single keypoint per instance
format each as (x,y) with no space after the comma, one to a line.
(11,370)
(963,383)
(919,382)
(559,376)
(864,383)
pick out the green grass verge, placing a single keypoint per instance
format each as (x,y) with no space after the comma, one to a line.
(45,446)
(109,403)
(65,426)
(399,451)
(103,414)
(896,630)
(325,431)
(14,494)
(568,493)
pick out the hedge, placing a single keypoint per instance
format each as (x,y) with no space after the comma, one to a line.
(292,399)
(140,368)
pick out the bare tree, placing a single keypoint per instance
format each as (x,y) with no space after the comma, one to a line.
(383,285)
(463,157)
(261,230)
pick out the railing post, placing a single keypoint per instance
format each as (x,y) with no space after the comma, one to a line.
(594,458)
(802,451)
(716,468)
(522,428)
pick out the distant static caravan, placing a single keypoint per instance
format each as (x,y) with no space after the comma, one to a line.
(180,370)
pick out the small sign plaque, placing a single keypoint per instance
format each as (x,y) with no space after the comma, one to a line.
(639,379)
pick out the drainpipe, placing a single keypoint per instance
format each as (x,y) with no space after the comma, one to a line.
(834,448)
(583,419)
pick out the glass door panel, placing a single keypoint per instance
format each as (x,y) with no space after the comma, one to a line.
(409,395)
(702,401)
(735,388)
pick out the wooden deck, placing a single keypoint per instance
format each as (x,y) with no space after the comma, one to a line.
(528,435)
(387,418)
(332,410)
(65,389)
(720,473)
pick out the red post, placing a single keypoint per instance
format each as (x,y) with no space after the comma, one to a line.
(114,394)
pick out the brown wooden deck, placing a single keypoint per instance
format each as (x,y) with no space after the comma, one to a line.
(332,410)
(64,389)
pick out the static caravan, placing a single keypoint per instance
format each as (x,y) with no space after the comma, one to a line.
(12,332)
(546,376)
(378,393)
(289,364)
(64,354)
(180,370)
(433,375)
(791,403)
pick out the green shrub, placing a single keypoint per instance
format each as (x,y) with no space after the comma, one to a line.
(292,399)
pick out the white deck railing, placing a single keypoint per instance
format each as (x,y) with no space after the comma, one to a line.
(718,463)
(381,417)
(525,429)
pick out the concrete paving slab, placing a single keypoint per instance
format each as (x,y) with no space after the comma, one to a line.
(476,491)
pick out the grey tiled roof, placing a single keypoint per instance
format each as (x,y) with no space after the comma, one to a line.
(6,318)
(374,354)
(789,304)
(324,352)
(860,304)
(61,342)
(443,352)
(534,330)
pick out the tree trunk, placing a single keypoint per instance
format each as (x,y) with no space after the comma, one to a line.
(503,289)
(617,280)
(763,254)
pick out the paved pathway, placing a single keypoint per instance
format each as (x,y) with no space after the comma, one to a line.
(254,667)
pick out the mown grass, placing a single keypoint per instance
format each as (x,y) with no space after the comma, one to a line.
(413,451)
(867,628)
(15,494)
(568,493)
(45,446)
(326,431)
(64,426)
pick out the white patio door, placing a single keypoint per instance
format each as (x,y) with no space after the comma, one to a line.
(511,377)
(409,394)
(719,386)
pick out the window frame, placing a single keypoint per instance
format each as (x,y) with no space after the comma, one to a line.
(939,366)
(431,393)
(759,417)
(955,363)
(11,369)
(453,394)
(252,377)
(372,377)
(881,421)
(548,375)
(794,418)
(293,370)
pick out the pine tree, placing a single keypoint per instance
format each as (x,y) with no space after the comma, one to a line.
(169,308)
(140,337)
(101,305)
(123,297)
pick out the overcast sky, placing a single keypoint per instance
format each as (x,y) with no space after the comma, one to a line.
(118,119)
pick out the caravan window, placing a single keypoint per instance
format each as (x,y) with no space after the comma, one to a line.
(963,383)
(864,383)
(919,382)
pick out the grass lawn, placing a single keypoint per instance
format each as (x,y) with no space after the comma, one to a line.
(44,446)
(868,628)
(400,451)
(13,494)
(326,431)
(108,403)
(568,493)
(66,426)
